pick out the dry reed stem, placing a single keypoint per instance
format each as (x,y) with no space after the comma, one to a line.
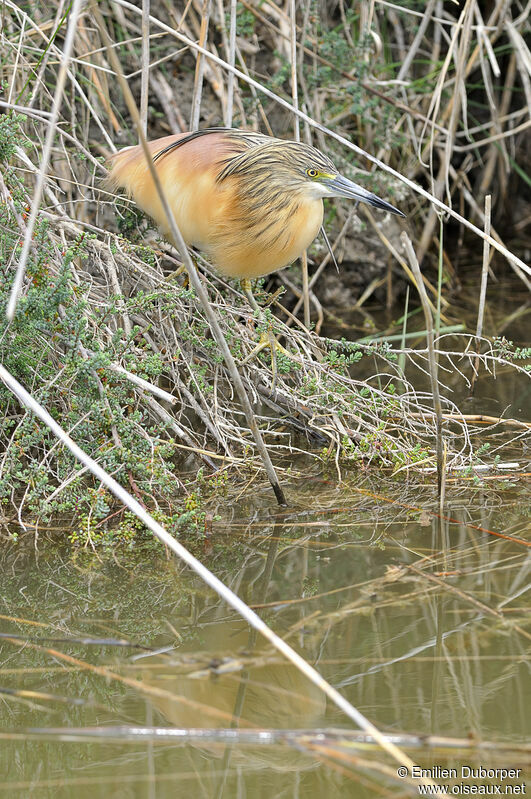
(199,67)
(232,61)
(472,600)
(211,580)
(432,361)
(484,270)
(144,90)
(267,737)
(297,137)
(52,122)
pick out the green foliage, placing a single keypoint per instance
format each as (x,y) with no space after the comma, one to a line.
(349,97)
(9,135)
(54,348)
(245,21)
(310,586)
(129,220)
(503,348)
(340,362)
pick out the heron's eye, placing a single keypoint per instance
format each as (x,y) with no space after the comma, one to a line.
(312,173)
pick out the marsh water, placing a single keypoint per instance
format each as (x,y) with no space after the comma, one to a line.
(417,619)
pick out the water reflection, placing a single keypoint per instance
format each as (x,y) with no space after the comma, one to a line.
(418,621)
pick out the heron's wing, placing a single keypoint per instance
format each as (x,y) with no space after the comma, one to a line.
(188,165)
(231,140)
(181,154)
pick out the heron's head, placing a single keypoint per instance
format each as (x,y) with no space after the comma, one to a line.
(287,166)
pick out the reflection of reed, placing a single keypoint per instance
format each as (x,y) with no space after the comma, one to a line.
(276,696)
(266,695)
(437,645)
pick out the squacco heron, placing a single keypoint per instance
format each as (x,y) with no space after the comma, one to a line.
(252,203)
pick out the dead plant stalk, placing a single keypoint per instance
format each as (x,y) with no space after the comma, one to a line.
(432,361)
(193,275)
(210,579)
(77,6)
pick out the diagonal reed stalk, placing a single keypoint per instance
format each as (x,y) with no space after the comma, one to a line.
(297,137)
(192,273)
(206,575)
(483,288)
(200,67)
(232,61)
(77,6)
(484,270)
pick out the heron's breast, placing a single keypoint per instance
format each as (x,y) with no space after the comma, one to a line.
(197,203)
(302,227)
(253,247)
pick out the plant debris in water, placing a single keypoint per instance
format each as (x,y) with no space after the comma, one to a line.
(99,309)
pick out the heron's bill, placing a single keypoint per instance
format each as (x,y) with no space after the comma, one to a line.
(343,187)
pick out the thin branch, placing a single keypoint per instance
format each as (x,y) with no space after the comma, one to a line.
(77,6)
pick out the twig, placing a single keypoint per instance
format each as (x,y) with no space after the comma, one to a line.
(144,89)
(232,59)
(483,288)
(266,737)
(77,6)
(471,599)
(199,67)
(484,270)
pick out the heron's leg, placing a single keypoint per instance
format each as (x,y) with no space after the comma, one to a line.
(247,290)
(267,338)
(176,273)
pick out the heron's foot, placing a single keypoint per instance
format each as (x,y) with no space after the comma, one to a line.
(268,340)
(177,273)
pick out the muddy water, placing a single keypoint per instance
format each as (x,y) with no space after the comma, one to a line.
(419,621)
(419,624)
